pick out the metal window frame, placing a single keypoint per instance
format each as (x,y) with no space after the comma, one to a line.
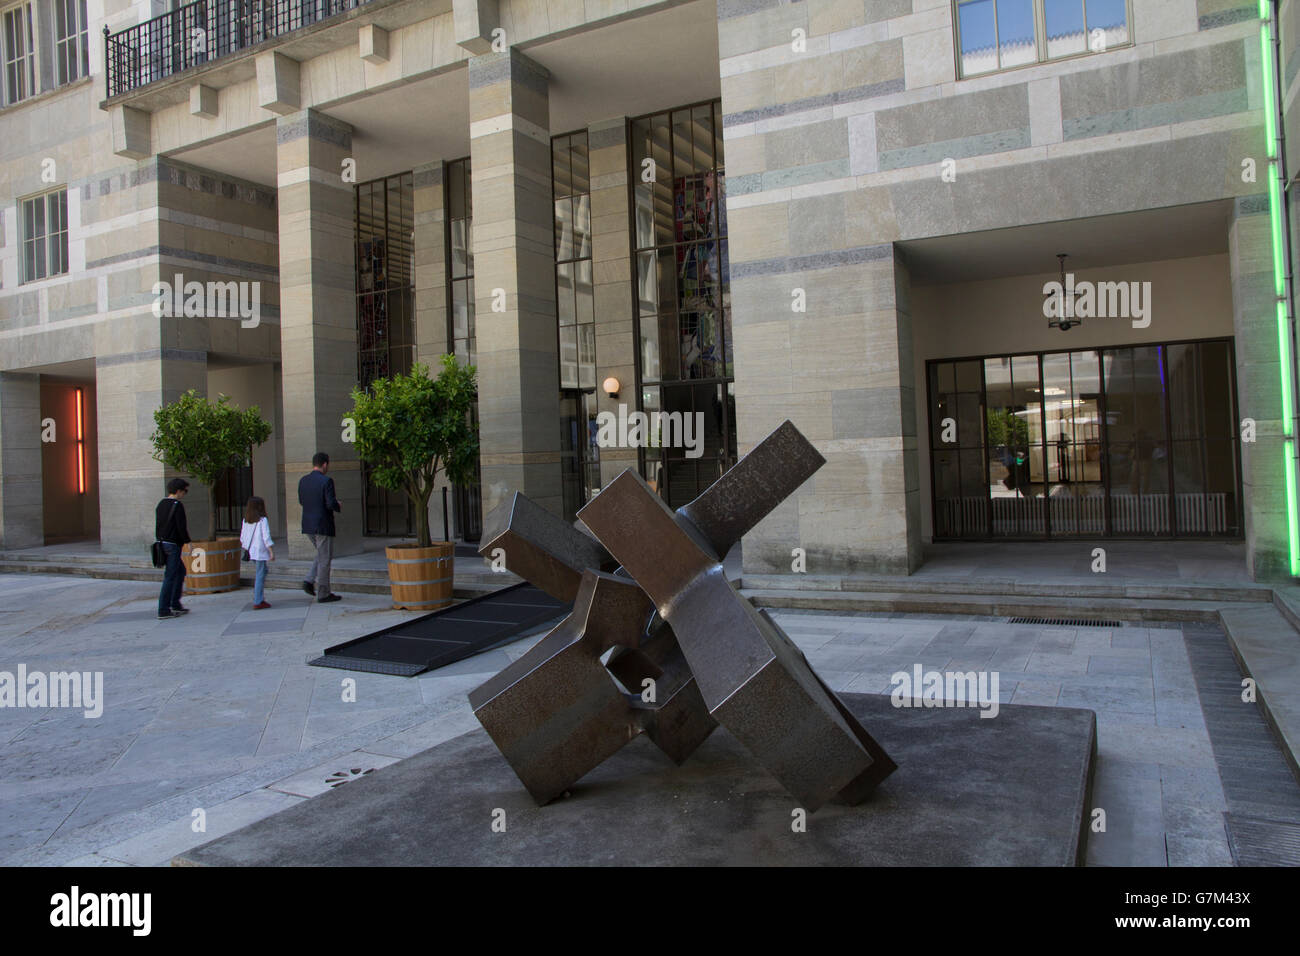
(78,39)
(1040,38)
(557,262)
(726,381)
(467,499)
(32,55)
(471,337)
(389,220)
(46,238)
(1239,513)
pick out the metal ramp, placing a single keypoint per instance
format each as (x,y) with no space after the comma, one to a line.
(444,637)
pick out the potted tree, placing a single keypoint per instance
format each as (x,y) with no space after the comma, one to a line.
(408,429)
(201,438)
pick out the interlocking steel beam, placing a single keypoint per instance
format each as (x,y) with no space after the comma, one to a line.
(542,548)
(557,712)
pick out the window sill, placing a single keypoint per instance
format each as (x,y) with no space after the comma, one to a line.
(1073,57)
(33,285)
(44,95)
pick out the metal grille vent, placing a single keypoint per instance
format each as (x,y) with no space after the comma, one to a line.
(1066,621)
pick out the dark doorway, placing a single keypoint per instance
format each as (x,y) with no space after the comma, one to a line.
(579,453)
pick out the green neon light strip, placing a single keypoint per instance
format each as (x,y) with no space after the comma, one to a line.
(1266,56)
(1279,280)
(1275,224)
(1284,359)
(1293,536)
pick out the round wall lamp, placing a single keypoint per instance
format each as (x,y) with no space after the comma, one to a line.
(612,385)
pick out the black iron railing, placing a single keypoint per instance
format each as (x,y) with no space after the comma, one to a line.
(202,31)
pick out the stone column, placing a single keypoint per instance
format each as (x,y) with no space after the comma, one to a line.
(129,386)
(1254,317)
(612,275)
(842,372)
(514,280)
(821,304)
(318,334)
(22,518)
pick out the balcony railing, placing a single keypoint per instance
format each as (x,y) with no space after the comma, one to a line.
(199,32)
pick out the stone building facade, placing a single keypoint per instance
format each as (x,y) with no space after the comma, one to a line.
(841,212)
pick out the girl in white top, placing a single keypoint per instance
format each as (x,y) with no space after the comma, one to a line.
(255,538)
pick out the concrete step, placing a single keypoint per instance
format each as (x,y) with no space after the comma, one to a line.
(1267,647)
(992,605)
(46,556)
(1090,588)
(471,584)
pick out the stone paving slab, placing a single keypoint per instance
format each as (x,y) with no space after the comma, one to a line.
(67,792)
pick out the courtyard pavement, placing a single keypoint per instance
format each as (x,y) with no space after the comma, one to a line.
(214,720)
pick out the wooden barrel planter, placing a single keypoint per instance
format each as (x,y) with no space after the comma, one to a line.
(220,566)
(421,578)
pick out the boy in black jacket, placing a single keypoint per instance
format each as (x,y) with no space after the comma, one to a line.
(171,529)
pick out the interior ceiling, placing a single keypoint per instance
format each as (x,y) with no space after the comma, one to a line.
(634,66)
(1149,235)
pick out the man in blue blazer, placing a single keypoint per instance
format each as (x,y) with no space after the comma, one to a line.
(316,495)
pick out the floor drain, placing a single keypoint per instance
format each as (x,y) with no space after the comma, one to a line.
(340,777)
(1066,622)
(1257,842)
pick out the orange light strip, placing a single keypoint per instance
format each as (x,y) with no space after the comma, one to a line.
(81,446)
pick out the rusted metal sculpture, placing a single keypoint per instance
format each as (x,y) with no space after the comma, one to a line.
(556,713)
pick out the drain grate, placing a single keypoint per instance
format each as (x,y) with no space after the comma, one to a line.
(1263,842)
(340,777)
(1066,621)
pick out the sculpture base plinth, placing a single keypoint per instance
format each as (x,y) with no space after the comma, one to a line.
(1012,790)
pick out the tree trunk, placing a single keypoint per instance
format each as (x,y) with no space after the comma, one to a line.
(212,512)
(421,502)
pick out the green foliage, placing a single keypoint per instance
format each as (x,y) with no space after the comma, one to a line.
(1006,428)
(410,427)
(202,439)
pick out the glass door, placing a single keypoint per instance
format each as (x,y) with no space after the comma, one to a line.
(579,453)
(1137,440)
(1133,441)
(231,494)
(694,440)
(961,475)
(1016,476)
(1072,403)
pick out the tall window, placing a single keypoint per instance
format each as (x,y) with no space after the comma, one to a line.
(574,304)
(683,321)
(1136,441)
(385,283)
(71,41)
(19,41)
(999,34)
(385,278)
(460,260)
(45,235)
(576,320)
(459,206)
